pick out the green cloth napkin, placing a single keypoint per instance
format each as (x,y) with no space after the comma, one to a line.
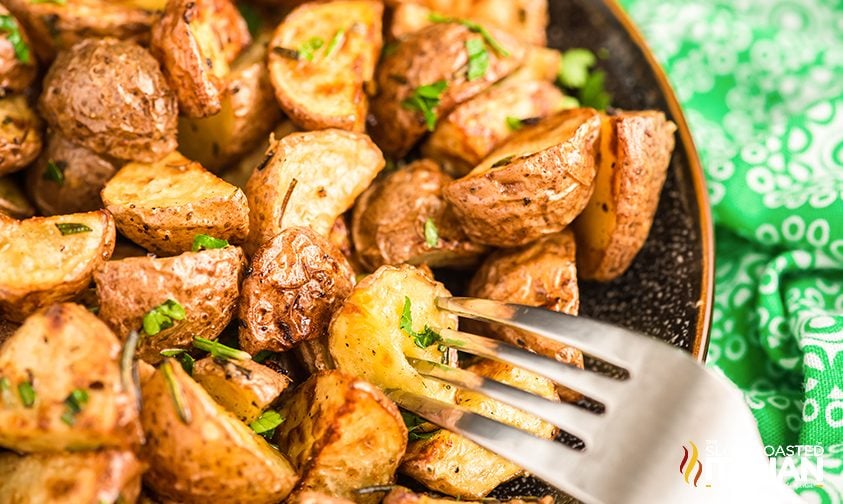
(761,82)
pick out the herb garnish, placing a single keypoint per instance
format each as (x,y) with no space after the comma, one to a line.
(27,394)
(422,339)
(59,2)
(426,98)
(431,234)
(575,76)
(502,161)
(266,424)
(414,425)
(185,359)
(474,27)
(309,47)
(55,171)
(162,316)
(74,403)
(175,391)
(69,228)
(10,25)
(478,59)
(514,123)
(335,43)
(207,242)
(220,351)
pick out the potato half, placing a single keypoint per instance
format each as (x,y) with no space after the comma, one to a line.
(243,387)
(44,260)
(20,133)
(17,71)
(84,360)
(13,202)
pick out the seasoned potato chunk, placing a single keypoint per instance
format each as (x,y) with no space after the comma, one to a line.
(243,387)
(532,185)
(62,386)
(366,338)
(322,56)
(540,63)
(20,133)
(635,150)
(341,434)
(70,478)
(12,200)
(297,281)
(205,283)
(424,231)
(44,260)
(449,463)
(163,206)
(196,40)
(198,452)
(18,64)
(401,495)
(309,179)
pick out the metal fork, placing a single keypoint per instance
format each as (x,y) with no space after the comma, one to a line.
(671,432)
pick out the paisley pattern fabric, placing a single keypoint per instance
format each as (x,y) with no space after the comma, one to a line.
(761,82)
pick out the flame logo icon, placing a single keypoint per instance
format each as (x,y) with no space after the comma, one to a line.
(691,461)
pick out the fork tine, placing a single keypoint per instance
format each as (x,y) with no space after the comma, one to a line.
(567,417)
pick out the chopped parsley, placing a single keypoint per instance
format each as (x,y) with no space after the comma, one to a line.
(69,228)
(206,242)
(74,403)
(27,394)
(266,424)
(309,47)
(576,77)
(593,93)
(431,234)
(220,351)
(4,384)
(415,426)
(424,99)
(10,25)
(185,359)
(503,161)
(422,339)
(514,123)
(478,59)
(162,316)
(474,27)
(335,43)
(182,408)
(55,171)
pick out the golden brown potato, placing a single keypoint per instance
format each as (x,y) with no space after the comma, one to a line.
(366,338)
(12,200)
(309,179)
(198,452)
(238,174)
(205,283)
(44,260)
(323,87)
(18,66)
(67,178)
(297,281)
(532,185)
(406,18)
(70,478)
(111,97)
(196,40)
(540,63)
(243,387)
(60,355)
(341,433)
(436,54)
(20,133)
(316,498)
(635,150)
(449,463)
(163,206)
(424,231)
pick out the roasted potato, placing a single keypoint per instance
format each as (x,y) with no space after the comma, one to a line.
(238,174)
(205,283)
(18,63)
(13,202)
(297,281)
(110,96)
(309,179)
(198,453)
(401,495)
(449,463)
(163,206)
(341,433)
(78,400)
(423,231)
(540,63)
(20,133)
(366,338)
(533,185)
(67,178)
(196,40)
(635,150)
(248,112)
(435,55)
(406,18)
(44,260)
(243,387)
(70,478)
(316,498)
(324,87)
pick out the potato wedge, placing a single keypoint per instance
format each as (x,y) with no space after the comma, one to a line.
(13,202)
(635,151)
(35,414)
(70,478)
(323,172)
(39,265)
(67,178)
(449,463)
(20,133)
(18,67)
(425,231)
(469,133)
(244,388)
(401,495)
(341,434)
(110,96)
(196,40)
(163,206)
(198,452)
(533,185)
(297,281)
(366,338)
(436,54)
(324,87)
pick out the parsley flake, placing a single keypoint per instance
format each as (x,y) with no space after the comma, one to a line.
(309,47)
(431,234)
(27,394)
(573,72)
(424,99)
(74,403)
(266,423)
(514,123)
(10,25)
(474,27)
(162,316)
(207,242)
(55,171)
(593,93)
(69,228)
(220,351)
(417,427)
(182,409)
(575,75)
(185,359)
(422,339)
(336,42)
(478,59)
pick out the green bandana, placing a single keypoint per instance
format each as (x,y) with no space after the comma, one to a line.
(761,82)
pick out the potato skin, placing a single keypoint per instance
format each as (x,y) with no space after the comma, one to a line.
(15,75)
(635,151)
(205,283)
(383,235)
(40,266)
(244,387)
(341,434)
(435,53)
(111,97)
(534,184)
(297,281)
(20,134)
(70,478)
(13,202)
